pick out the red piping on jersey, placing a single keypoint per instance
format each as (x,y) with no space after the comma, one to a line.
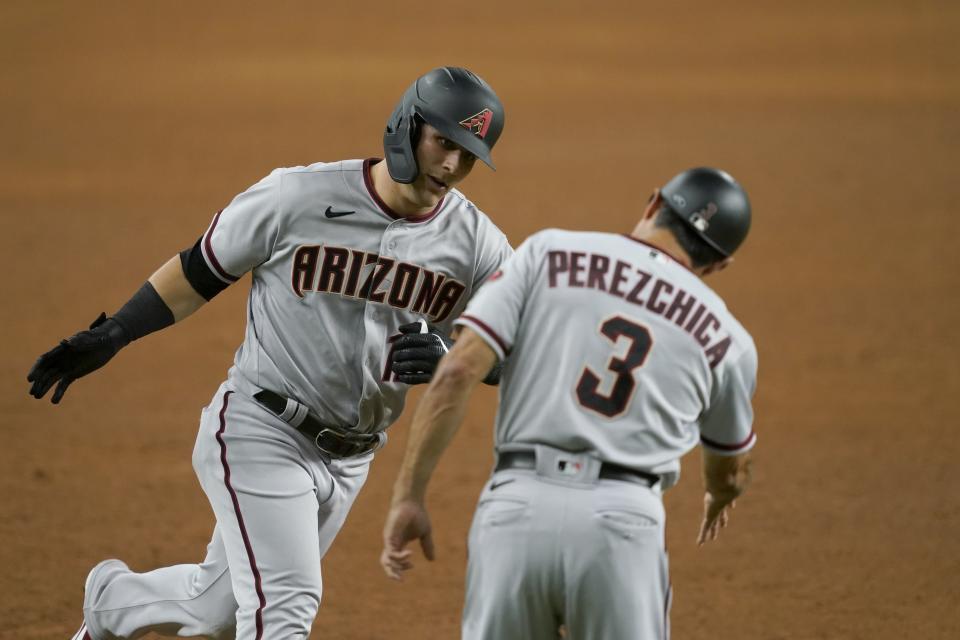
(728,447)
(666,609)
(486,328)
(368,182)
(236,509)
(660,250)
(209,247)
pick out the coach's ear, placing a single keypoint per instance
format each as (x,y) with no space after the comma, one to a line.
(653,203)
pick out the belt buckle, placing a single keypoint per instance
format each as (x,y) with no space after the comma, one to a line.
(316,441)
(351,446)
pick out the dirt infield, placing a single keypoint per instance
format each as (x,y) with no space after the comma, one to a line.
(126,125)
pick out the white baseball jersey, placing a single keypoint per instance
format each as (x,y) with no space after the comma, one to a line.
(335,273)
(615,348)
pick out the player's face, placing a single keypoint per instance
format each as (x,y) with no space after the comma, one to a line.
(443,164)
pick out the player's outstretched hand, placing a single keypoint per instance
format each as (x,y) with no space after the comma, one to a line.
(407,521)
(418,351)
(716,515)
(75,357)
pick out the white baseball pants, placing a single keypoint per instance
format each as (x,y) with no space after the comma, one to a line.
(545,552)
(278,507)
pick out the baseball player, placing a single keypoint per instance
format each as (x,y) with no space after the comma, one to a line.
(620,361)
(358,270)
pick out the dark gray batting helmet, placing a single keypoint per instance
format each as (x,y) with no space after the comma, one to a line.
(713,204)
(456,102)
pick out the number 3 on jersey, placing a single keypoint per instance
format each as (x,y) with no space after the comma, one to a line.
(616,402)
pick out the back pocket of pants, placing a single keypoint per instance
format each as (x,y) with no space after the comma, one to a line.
(498,512)
(626,524)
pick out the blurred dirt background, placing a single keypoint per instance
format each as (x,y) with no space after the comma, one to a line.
(125,125)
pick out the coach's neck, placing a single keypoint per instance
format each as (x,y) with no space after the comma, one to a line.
(663,239)
(647,231)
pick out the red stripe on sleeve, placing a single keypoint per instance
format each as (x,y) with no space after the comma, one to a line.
(208,247)
(490,332)
(728,447)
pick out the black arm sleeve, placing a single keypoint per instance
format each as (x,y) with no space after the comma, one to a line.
(144,313)
(198,274)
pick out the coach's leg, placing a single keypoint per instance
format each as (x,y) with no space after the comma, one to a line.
(617,576)
(511,573)
(184,600)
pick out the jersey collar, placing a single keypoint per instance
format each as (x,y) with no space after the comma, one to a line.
(658,250)
(368,182)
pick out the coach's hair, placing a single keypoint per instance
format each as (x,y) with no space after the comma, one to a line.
(701,254)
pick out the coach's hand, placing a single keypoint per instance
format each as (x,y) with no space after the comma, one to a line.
(417,352)
(716,515)
(76,356)
(407,521)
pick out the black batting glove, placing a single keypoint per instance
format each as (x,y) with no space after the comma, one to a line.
(77,356)
(415,354)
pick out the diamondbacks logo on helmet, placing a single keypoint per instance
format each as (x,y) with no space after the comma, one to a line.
(478,123)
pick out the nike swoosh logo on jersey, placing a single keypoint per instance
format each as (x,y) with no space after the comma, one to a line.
(330,213)
(497,485)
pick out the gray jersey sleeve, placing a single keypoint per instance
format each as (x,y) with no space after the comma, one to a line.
(726,427)
(242,235)
(495,312)
(493,250)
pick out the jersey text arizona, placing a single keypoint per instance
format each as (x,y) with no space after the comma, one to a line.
(340,269)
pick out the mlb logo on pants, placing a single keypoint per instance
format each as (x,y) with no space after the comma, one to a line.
(569,467)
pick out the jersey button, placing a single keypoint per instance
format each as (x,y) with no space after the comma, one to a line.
(392,244)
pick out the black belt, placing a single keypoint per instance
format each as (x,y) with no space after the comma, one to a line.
(331,440)
(608,471)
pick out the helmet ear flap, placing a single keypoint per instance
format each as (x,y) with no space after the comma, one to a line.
(399,140)
(416,128)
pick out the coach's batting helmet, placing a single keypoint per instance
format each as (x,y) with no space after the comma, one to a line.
(713,204)
(454,101)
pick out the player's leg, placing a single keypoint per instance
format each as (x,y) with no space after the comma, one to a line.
(511,587)
(185,600)
(617,576)
(264,495)
(349,476)
(279,506)
(284,525)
